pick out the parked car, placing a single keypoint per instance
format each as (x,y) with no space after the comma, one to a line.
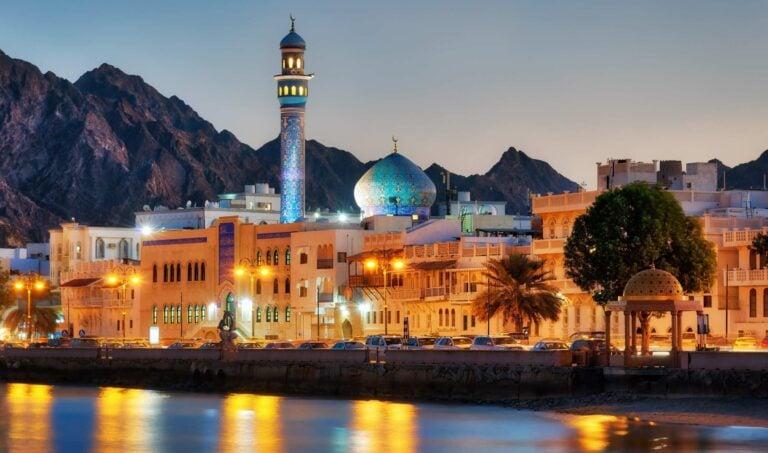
(184,344)
(250,345)
(313,345)
(550,345)
(522,338)
(745,343)
(590,345)
(509,343)
(419,343)
(280,345)
(453,343)
(344,344)
(37,344)
(486,343)
(383,342)
(210,345)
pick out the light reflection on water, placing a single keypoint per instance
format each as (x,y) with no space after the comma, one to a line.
(38,418)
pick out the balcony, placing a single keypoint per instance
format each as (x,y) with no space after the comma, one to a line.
(747,277)
(433,292)
(578,201)
(548,246)
(405,294)
(361,281)
(737,238)
(325,263)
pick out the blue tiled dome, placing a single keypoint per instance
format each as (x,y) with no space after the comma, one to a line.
(293,40)
(396,186)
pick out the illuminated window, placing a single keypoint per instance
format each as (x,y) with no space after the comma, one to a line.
(287,256)
(203,313)
(197,313)
(178,314)
(154,314)
(172,318)
(275,314)
(290,62)
(283,63)
(293,90)
(258,258)
(374,318)
(301,91)
(269,314)
(258,314)
(275,256)
(298,63)
(99,248)
(190,314)
(269,258)
(287,314)
(165,314)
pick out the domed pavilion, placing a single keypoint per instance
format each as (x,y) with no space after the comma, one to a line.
(648,291)
(395,186)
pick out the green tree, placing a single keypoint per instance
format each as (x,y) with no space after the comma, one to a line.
(629,229)
(43,319)
(517,288)
(760,246)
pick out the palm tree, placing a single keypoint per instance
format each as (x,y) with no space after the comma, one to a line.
(44,319)
(518,290)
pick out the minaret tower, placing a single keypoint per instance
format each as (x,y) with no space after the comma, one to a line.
(292,92)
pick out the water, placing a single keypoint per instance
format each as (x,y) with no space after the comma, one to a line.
(35,418)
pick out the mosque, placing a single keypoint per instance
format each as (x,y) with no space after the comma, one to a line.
(283,274)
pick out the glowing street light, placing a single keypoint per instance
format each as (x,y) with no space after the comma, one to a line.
(28,281)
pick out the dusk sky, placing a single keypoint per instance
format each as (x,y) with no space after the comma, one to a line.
(571,83)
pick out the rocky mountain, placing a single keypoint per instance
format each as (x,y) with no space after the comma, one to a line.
(102,147)
(749,175)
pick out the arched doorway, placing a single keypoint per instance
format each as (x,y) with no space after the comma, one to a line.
(346,329)
(230,303)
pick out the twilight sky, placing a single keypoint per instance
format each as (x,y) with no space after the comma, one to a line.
(458,82)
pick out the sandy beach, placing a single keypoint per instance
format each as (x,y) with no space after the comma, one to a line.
(695,410)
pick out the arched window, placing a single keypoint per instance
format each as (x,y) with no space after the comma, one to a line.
(165,272)
(172,312)
(123,248)
(293,90)
(78,251)
(440,312)
(99,248)
(230,303)
(173,274)
(258,314)
(275,284)
(765,303)
(258,286)
(190,314)
(283,63)
(154,273)
(287,256)
(269,257)
(165,314)
(258,257)
(298,63)
(453,317)
(197,271)
(154,314)
(275,314)
(275,257)
(138,251)
(197,314)
(752,303)
(202,271)
(290,62)
(287,314)
(203,313)
(301,91)
(288,286)
(269,314)
(178,314)
(189,272)
(178,272)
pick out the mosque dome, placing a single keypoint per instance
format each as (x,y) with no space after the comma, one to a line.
(395,186)
(653,284)
(293,40)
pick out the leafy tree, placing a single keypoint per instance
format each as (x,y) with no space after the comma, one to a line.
(518,290)
(629,229)
(43,319)
(760,246)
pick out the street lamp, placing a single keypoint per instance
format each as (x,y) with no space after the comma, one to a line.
(252,269)
(28,281)
(120,276)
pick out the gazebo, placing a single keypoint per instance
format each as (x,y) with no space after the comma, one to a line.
(648,291)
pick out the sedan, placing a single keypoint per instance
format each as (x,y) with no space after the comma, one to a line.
(249,345)
(313,345)
(280,345)
(210,345)
(183,345)
(348,345)
(550,345)
(453,343)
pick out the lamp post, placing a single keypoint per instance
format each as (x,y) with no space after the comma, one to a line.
(28,281)
(120,276)
(252,268)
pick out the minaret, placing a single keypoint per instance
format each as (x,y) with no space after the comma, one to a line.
(292,92)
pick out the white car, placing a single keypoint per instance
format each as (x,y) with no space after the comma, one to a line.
(453,343)
(382,343)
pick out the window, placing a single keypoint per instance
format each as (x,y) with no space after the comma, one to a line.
(123,248)
(269,314)
(165,314)
(172,312)
(275,285)
(765,303)
(189,272)
(118,325)
(172,275)
(275,314)
(258,286)
(397,317)
(752,303)
(275,256)
(258,314)
(472,321)
(440,318)
(283,64)
(202,271)
(453,317)
(154,314)
(99,248)
(203,313)
(293,90)
(287,314)
(303,258)
(154,273)
(374,317)
(165,272)
(707,301)
(303,291)
(341,257)
(269,258)
(190,314)
(287,256)
(197,271)
(178,314)
(258,258)
(368,317)
(298,63)
(381,315)
(197,314)
(178,272)
(287,286)
(301,91)
(290,62)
